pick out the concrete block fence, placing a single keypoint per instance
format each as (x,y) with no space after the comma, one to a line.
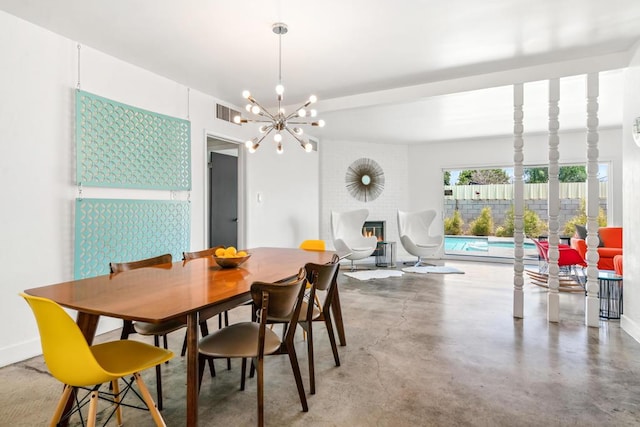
(470,209)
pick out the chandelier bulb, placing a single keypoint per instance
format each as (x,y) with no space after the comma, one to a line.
(313,99)
(282,111)
(248,143)
(246,94)
(298,131)
(263,128)
(321,123)
(277,137)
(302,112)
(255,109)
(280,89)
(248,107)
(237,119)
(313,113)
(308,147)
(280,150)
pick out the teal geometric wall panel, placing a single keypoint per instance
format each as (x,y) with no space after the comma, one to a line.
(118,145)
(127,230)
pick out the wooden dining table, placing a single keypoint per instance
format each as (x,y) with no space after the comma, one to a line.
(193,290)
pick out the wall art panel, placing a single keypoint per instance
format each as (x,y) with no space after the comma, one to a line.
(127,147)
(127,230)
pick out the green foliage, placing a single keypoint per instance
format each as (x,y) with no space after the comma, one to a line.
(533,225)
(483,224)
(464,178)
(536,175)
(447,178)
(453,224)
(581,218)
(565,174)
(572,174)
(483,177)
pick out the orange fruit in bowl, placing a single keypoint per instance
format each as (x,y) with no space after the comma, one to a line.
(241,254)
(230,252)
(220,252)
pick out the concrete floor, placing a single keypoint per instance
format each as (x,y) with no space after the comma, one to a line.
(428,350)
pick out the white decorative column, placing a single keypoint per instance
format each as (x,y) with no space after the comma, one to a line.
(553,203)
(518,201)
(593,201)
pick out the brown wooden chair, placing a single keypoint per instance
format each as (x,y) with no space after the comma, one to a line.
(254,340)
(322,279)
(186,256)
(156,330)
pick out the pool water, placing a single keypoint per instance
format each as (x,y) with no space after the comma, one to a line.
(479,244)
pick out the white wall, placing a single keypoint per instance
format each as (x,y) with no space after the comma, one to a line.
(630,321)
(287,184)
(37,166)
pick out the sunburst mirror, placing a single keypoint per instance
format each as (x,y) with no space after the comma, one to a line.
(365,180)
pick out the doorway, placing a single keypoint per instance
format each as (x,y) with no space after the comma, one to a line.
(223,195)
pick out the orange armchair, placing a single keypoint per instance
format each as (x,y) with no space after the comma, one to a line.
(610,246)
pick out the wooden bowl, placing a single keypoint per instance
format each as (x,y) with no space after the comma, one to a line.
(231,262)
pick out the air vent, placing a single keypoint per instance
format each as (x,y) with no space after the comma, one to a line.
(225,113)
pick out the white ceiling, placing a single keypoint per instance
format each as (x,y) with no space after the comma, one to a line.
(386,71)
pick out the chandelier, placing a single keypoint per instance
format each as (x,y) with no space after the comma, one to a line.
(279,122)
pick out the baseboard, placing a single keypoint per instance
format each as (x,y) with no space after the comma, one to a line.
(630,327)
(19,352)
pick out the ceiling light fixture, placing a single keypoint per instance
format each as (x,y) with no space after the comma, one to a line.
(279,122)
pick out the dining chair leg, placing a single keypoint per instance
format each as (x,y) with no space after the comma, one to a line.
(66,392)
(312,371)
(260,393)
(336,308)
(298,377)
(116,400)
(93,409)
(146,396)
(156,342)
(243,372)
(159,386)
(332,337)
(204,331)
(226,323)
(184,346)
(201,360)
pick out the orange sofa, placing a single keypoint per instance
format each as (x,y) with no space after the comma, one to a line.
(610,246)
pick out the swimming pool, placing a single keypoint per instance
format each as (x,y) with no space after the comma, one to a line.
(492,246)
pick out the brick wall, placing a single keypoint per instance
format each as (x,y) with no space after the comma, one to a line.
(336,158)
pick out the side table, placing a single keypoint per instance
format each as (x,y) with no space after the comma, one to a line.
(386,254)
(610,294)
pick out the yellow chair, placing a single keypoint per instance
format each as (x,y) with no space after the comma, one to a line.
(78,365)
(313,245)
